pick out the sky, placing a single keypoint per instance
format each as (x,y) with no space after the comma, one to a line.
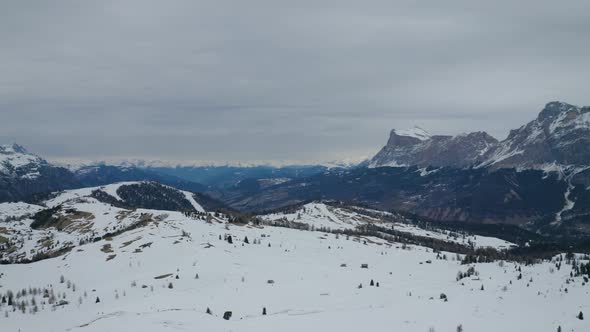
(267,80)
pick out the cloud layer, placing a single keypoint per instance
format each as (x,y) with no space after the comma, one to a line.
(269,80)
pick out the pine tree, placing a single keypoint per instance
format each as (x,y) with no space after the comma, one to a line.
(208,311)
(264,311)
(372,283)
(581,316)
(246,240)
(97,300)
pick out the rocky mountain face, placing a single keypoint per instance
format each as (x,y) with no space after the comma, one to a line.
(560,136)
(457,151)
(23,174)
(538,178)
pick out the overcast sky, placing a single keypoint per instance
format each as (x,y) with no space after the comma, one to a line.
(278,80)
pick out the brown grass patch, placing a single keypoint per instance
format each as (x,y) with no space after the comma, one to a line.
(107,248)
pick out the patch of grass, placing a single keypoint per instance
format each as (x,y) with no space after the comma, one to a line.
(127,243)
(3,239)
(146,245)
(111,257)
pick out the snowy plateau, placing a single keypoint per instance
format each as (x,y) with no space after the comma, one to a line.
(116,268)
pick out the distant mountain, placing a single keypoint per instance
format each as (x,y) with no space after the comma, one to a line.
(532,199)
(559,136)
(418,148)
(23,174)
(97,175)
(26,176)
(222,177)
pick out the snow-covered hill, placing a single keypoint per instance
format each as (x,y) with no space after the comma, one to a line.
(78,216)
(324,216)
(167,274)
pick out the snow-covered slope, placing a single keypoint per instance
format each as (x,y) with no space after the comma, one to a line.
(78,216)
(320,215)
(166,275)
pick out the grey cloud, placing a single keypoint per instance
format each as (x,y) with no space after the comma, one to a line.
(253,80)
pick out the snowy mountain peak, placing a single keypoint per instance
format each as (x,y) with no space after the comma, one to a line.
(554,108)
(415,132)
(16,161)
(12,149)
(560,134)
(418,147)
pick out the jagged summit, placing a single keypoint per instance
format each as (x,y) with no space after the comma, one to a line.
(554,108)
(12,148)
(418,147)
(559,135)
(15,160)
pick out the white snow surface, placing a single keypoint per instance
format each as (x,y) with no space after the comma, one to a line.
(323,215)
(311,290)
(189,197)
(415,132)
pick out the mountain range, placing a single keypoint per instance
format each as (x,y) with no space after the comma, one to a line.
(538,178)
(560,135)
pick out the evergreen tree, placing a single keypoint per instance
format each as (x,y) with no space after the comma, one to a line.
(264,311)
(581,316)
(97,300)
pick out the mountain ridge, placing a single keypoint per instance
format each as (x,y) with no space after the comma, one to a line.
(560,134)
